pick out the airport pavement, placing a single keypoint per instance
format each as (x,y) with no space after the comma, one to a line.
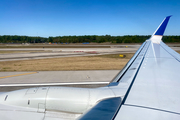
(57,76)
(73,49)
(18,80)
(60,52)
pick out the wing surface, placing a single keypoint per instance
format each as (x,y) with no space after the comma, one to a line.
(153,91)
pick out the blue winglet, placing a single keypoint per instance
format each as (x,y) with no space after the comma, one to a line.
(162,27)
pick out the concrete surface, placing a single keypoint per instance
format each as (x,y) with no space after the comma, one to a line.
(45,78)
(58,76)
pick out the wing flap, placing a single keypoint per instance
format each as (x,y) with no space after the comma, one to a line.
(104,110)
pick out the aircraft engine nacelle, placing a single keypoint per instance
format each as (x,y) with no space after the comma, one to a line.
(68,99)
(63,99)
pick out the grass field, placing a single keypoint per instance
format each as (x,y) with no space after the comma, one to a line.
(100,62)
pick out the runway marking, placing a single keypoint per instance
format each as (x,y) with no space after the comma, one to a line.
(18,75)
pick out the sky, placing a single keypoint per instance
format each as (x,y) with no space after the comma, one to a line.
(46,18)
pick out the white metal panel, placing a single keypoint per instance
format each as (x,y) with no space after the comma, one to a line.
(138,113)
(14,98)
(157,84)
(125,81)
(67,99)
(75,100)
(168,49)
(38,99)
(8,112)
(20,115)
(156,51)
(32,90)
(50,115)
(26,98)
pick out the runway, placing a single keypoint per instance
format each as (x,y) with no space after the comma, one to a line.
(62,52)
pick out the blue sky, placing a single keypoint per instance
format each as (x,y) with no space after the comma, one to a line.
(87,17)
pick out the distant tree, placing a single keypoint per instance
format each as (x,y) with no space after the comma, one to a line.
(81,39)
(50,39)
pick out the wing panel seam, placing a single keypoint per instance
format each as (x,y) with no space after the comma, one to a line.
(152,108)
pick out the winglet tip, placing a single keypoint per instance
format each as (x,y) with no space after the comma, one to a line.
(170,16)
(160,30)
(162,27)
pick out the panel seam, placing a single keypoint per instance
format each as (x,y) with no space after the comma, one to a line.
(152,108)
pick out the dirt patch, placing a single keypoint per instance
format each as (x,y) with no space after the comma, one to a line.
(178,52)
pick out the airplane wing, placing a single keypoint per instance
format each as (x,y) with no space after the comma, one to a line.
(149,84)
(147,88)
(154,92)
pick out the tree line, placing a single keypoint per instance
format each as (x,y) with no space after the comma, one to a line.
(83,39)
